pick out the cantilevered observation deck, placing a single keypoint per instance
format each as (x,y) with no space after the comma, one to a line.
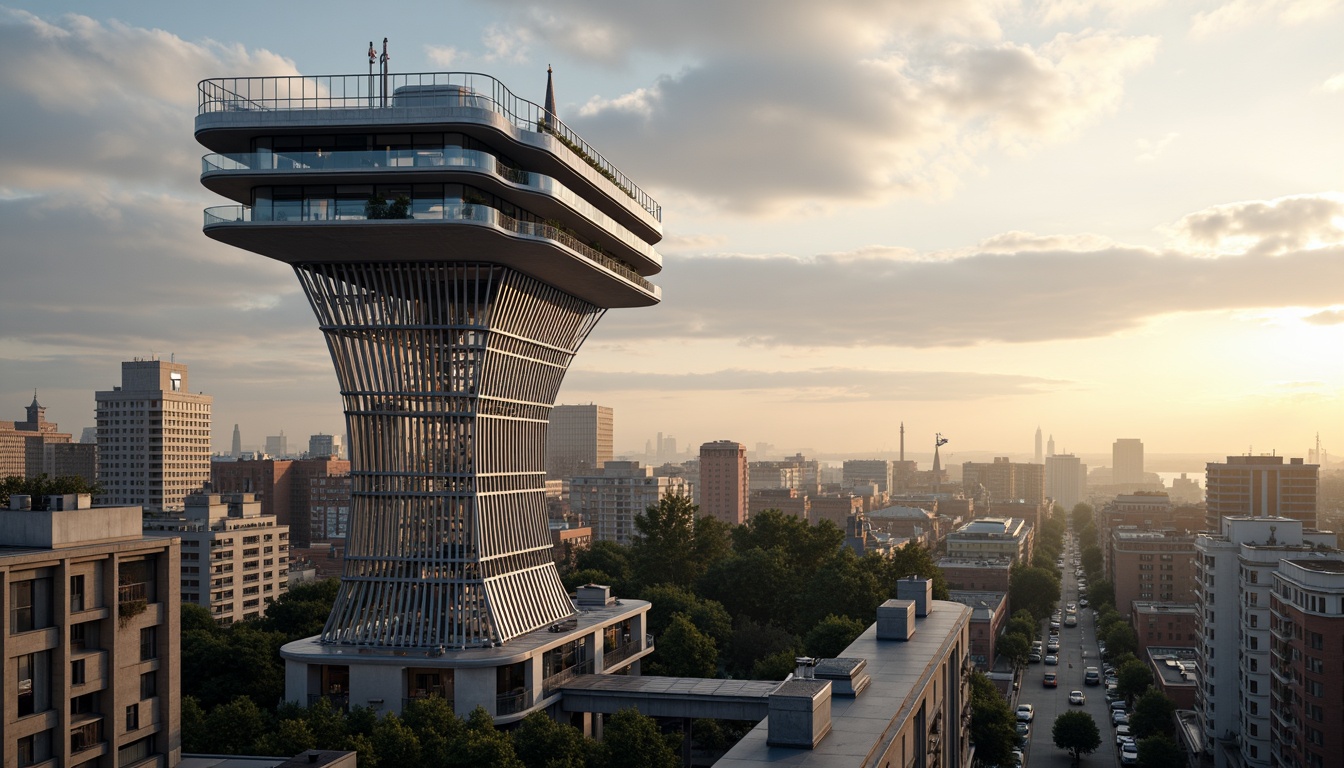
(457,244)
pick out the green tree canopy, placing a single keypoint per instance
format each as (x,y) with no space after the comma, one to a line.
(992,728)
(674,545)
(708,616)
(631,739)
(757,584)
(612,559)
(1033,589)
(805,547)
(1121,639)
(844,586)
(232,728)
(831,636)
(753,641)
(541,742)
(42,486)
(1081,516)
(1133,679)
(1161,751)
(1153,714)
(1076,732)
(1091,560)
(1014,647)
(914,558)
(302,611)
(684,651)
(1101,592)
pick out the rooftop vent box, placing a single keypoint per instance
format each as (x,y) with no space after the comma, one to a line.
(594,594)
(438,96)
(896,620)
(919,590)
(847,676)
(800,714)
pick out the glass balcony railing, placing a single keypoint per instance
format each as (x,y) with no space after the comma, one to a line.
(310,212)
(378,161)
(432,94)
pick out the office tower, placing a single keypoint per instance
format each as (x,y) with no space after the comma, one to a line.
(1260,486)
(329,507)
(235,560)
(1127,462)
(610,498)
(1246,695)
(1003,480)
(1305,597)
(457,244)
(579,440)
(23,443)
(1050,447)
(725,482)
(282,485)
(875,472)
(71,460)
(277,446)
(237,449)
(322,446)
(153,436)
(1065,479)
(1148,565)
(91,636)
(1040,454)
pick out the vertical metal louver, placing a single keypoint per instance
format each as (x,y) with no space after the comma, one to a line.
(448,373)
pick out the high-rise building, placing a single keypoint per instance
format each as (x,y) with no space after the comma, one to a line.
(1260,486)
(1244,672)
(457,244)
(1065,479)
(1050,447)
(1004,480)
(876,472)
(277,446)
(1127,462)
(1040,453)
(283,487)
(322,446)
(579,440)
(91,636)
(1150,565)
(725,482)
(236,451)
(71,460)
(23,444)
(235,560)
(610,498)
(153,437)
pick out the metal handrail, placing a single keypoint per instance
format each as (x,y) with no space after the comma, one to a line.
(435,91)
(230,214)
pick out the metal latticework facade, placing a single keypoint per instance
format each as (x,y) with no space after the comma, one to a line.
(448,372)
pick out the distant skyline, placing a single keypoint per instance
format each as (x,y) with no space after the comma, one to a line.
(1107,219)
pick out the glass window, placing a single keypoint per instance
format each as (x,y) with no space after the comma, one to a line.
(34,749)
(149,643)
(132,717)
(30,605)
(77,593)
(77,672)
(149,685)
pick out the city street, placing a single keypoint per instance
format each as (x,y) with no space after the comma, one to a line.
(1077,650)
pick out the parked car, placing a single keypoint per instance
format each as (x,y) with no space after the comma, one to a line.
(1023,729)
(1051,660)
(1025,712)
(1092,676)
(1119,718)
(1129,754)
(1077,697)
(1053,645)
(1122,734)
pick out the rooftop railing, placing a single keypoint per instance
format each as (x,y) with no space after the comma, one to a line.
(431,91)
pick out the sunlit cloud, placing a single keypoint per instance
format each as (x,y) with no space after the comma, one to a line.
(1149,150)
(1266,227)
(1242,13)
(1334,83)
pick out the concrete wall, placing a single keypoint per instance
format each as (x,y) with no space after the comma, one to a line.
(68,528)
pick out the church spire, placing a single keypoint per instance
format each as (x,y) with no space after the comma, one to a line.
(550,98)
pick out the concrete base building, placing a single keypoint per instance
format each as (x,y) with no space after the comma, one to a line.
(24,445)
(89,638)
(1260,486)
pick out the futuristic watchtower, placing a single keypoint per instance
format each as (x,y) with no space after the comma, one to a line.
(457,244)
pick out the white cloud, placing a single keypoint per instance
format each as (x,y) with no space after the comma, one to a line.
(445,56)
(1242,13)
(1334,83)
(1266,227)
(1150,150)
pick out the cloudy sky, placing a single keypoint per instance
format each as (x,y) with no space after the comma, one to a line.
(1110,218)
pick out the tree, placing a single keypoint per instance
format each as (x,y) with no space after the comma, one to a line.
(1091,560)
(805,547)
(674,545)
(1160,751)
(291,737)
(1076,732)
(42,486)
(844,586)
(1023,627)
(1101,592)
(831,636)
(916,559)
(991,722)
(631,739)
(1014,647)
(752,642)
(1033,589)
(232,728)
(776,666)
(541,742)
(395,742)
(193,726)
(1133,678)
(610,558)
(1121,639)
(708,616)
(684,651)
(757,583)
(302,611)
(480,743)
(1080,516)
(1153,714)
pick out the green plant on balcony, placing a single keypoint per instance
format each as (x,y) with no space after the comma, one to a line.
(129,609)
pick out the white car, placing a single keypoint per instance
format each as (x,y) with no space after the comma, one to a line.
(1122,734)
(1129,754)
(1119,718)
(1026,713)
(1077,697)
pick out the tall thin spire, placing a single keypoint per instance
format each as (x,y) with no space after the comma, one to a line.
(550,97)
(902,441)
